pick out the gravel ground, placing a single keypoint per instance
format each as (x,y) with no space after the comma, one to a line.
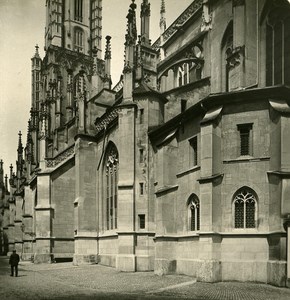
(65,281)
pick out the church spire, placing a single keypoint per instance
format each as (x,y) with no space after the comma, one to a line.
(108,56)
(162,25)
(1,171)
(145,22)
(130,44)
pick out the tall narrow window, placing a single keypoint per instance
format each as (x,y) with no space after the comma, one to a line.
(193,213)
(111,188)
(141,184)
(245,138)
(183,105)
(141,221)
(141,154)
(194,150)
(79,10)
(277,46)
(245,208)
(141,116)
(78,40)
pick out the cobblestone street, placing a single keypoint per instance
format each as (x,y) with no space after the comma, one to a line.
(65,281)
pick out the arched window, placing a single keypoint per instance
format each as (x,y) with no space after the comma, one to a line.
(193,213)
(227,49)
(78,40)
(245,208)
(278,46)
(111,163)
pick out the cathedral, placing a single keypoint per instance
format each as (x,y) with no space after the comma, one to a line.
(182,167)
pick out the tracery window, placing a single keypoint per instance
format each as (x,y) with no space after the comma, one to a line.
(193,213)
(278,47)
(111,187)
(188,72)
(245,203)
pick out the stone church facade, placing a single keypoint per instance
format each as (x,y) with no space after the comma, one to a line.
(182,167)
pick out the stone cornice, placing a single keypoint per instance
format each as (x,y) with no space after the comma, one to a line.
(192,9)
(64,155)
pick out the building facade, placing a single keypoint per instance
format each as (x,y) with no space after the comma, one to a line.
(182,167)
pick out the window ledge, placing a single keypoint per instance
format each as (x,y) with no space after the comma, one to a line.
(246,158)
(193,169)
(166,189)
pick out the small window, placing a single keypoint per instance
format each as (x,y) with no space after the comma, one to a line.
(141,184)
(245,139)
(183,105)
(141,116)
(141,221)
(194,150)
(245,209)
(141,155)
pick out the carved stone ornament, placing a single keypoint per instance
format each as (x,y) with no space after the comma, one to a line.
(103,122)
(51,163)
(234,57)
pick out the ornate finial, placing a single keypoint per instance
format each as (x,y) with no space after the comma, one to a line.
(11,171)
(20,148)
(162,10)
(108,48)
(6,182)
(131,35)
(1,165)
(145,8)
(36,49)
(162,22)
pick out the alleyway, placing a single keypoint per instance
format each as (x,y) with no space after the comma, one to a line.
(65,281)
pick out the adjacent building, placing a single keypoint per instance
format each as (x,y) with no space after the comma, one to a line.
(182,167)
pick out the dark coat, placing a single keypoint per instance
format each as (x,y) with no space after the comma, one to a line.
(14,259)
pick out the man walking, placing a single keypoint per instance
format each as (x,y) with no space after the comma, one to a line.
(13,262)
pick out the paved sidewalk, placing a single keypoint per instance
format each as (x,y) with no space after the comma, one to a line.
(65,281)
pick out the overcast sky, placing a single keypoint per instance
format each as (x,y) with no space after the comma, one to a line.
(22,25)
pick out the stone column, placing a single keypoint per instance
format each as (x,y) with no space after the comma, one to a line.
(210,163)
(85,204)
(18,224)
(43,216)
(126,200)
(28,231)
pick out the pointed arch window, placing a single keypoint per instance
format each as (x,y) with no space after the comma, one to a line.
(277,43)
(193,213)
(245,208)
(111,187)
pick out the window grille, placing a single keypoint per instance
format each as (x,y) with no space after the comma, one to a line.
(245,209)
